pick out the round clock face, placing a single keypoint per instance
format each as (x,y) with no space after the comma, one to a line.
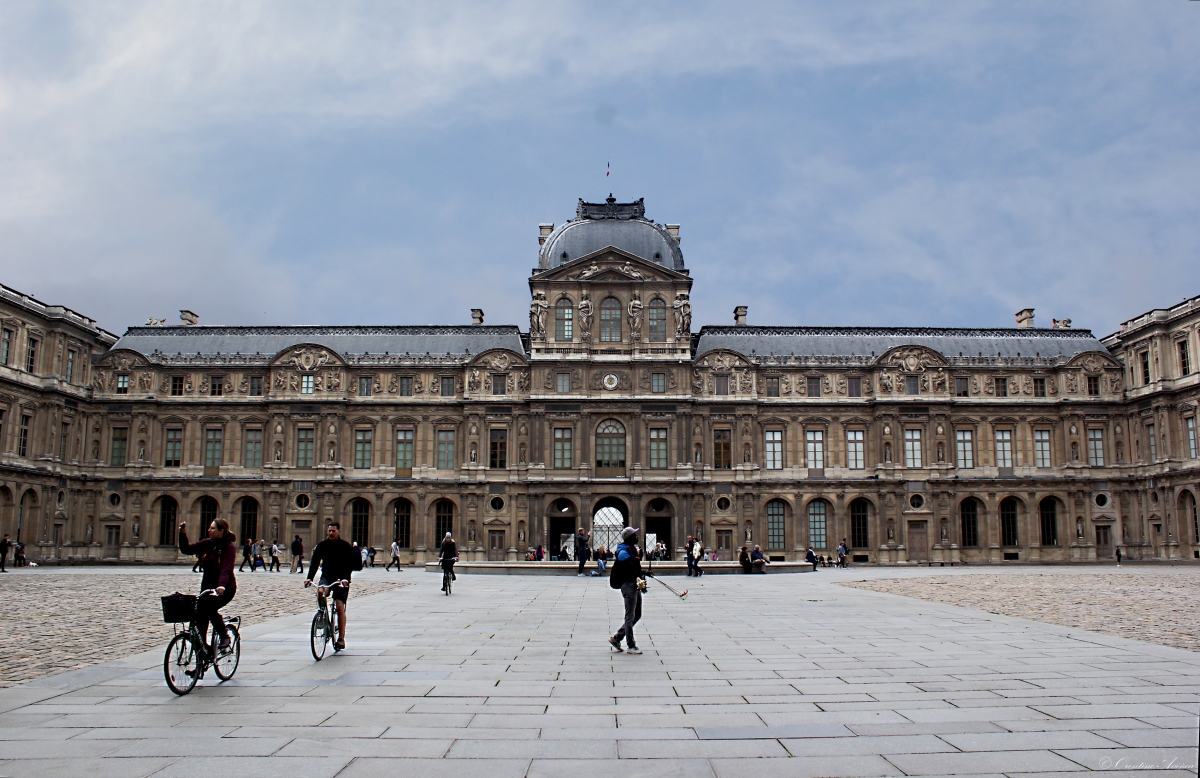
(610,381)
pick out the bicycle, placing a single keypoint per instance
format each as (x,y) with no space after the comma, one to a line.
(447,578)
(187,658)
(325,624)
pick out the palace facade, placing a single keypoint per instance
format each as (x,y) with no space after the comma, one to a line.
(987,446)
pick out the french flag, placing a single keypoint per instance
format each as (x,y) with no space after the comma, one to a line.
(608,170)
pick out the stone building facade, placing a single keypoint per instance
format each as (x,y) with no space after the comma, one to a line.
(914,444)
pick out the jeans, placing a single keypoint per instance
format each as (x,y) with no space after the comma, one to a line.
(633,613)
(206,611)
(601,564)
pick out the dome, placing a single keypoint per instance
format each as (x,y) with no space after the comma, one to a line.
(624,226)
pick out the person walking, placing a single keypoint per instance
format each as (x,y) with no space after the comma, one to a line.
(370,556)
(539,554)
(581,550)
(395,555)
(697,553)
(5,545)
(297,555)
(687,556)
(256,549)
(1118,553)
(247,559)
(275,558)
(627,576)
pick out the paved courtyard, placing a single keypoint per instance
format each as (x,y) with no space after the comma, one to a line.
(764,676)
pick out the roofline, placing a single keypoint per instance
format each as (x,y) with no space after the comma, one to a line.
(317,329)
(916,332)
(54,312)
(1155,316)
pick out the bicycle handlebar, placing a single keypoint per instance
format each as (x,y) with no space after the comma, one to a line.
(208,592)
(342,584)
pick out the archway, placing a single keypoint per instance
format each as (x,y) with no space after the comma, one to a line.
(609,516)
(659,518)
(561,520)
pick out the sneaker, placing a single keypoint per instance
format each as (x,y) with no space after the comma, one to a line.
(339,645)
(453,577)
(225,645)
(633,650)
(615,643)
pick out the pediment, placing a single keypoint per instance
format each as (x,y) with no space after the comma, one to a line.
(723,360)
(1093,361)
(308,358)
(499,359)
(123,359)
(911,359)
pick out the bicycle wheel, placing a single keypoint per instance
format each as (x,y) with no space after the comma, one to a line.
(319,636)
(226,664)
(181,665)
(446,579)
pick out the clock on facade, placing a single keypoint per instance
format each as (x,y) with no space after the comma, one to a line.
(610,381)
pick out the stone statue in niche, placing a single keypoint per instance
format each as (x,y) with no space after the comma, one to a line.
(746,453)
(521,459)
(89,533)
(699,453)
(683,315)
(278,451)
(941,452)
(887,452)
(1079,528)
(521,534)
(332,451)
(945,532)
(137,528)
(471,533)
(635,317)
(749,533)
(1074,451)
(891,530)
(537,316)
(585,317)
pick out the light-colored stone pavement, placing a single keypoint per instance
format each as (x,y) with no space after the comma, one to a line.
(58,619)
(759,676)
(1140,602)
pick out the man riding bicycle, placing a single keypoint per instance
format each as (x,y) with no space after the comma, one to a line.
(337,560)
(448,556)
(217,554)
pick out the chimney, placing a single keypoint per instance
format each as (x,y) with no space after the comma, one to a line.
(1060,324)
(188,318)
(1025,319)
(477,316)
(544,231)
(673,230)
(739,315)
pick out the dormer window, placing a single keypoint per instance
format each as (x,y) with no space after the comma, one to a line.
(308,384)
(123,384)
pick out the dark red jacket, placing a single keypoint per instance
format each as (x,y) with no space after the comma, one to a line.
(216,560)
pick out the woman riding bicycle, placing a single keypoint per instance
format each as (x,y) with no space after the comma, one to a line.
(217,554)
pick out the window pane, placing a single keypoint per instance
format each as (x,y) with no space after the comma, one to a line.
(962,387)
(657,319)
(854,449)
(499,383)
(404,449)
(256,384)
(814,387)
(406,386)
(1008,522)
(364,386)
(772,387)
(1191,436)
(254,441)
(447,386)
(1152,439)
(445,449)
(307,384)
(564,315)
(498,448)
(969,512)
(402,524)
(1041,448)
(722,440)
(120,445)
(1049,523)
(859,525)
(1039,387)
(773,450)
(610,321)
(912,384)
(816,524)
(721,384)
(658,447)
(814,444)
(23,440)
(363,440)
(563,452)
(305,441)
(563,383)
(776,526)
(855,387)
(1004,448)
(212,447)
(1096,448)
(1001,386)
(174,448)
(658,382)
(912,448)
(965,448)
(176,386)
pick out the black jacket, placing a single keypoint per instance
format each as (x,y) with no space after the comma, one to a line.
(339,558)
(216,560)
(627,567)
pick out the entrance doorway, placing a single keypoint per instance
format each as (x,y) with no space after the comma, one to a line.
(496,545)
(725,544)
(1103,541)
(659,519)
(112,541)
(918,541)
(561,520)
(609,517)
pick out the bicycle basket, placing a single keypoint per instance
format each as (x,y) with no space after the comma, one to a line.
(178,607)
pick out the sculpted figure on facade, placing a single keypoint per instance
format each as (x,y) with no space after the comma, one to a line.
(537,316)
(683,315)
(635,316)
(585,317)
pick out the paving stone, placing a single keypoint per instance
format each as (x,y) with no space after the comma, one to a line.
(982,762)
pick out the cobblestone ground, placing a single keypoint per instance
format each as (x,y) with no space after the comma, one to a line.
(1152,606)
(64,620)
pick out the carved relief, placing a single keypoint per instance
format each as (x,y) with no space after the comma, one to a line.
(940,381)
(1073,382)
(307,360)
(886,383)
(913,359)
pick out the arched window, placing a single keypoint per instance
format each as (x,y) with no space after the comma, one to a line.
(969,515)
(1008,522)
(1187,506)
(208,513)
(657,320)
(818,512)
(249,518)
(610,448)
(776,525)
(1049,511)
(402,523)
(443,520)
(360,521)
(168,519)
(564,314)
(860,536)
(610,320)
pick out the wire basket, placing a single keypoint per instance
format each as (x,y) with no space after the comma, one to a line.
(179,607)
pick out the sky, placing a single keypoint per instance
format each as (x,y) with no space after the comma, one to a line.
(844,164)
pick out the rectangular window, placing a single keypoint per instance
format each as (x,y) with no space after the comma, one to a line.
(404,449)
(63,432)
(658,447)
(564,454)
(1004,452)
(772,387)
(964,443)
(256,386)
(122,384)
(308,384)
(776,526)
(816,524)
(212,447)
(406,386)
(1096,448)
(1145,356)
(364,386)
(814,387)
(499,383)
(912,448)
(218,386)
(363,443)
(1001,386)
(1093,385)
(912,384)
(962,387)
(498,449)
(773,450)
(1152,439)
(305,446)
(564,316)
(854,449)
(1185,362)
(722,440)
(254,441)
(447,386)
(814,449)
(177,386)
(562,383)
(1041,448)
(722,384)
(1039,387)
(120,446)
(6,342)
(31,356)
(656,319)
(1190,423)
(174,448)
(855,387)
(610,321)
(23,438)
(445,449)
(70,365)
(658,382)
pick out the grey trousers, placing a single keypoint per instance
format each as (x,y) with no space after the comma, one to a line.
(633,613)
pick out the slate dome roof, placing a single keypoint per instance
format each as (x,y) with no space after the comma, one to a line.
(597,226)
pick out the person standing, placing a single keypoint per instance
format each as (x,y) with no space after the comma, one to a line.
(581,550)
(5,545)
(1118,553)
(539,554)
(627,576)
(697,552)
(257,550)
(274,558)
(297,555)
(370,556)
(687,556)
(395,555)
(247,559)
